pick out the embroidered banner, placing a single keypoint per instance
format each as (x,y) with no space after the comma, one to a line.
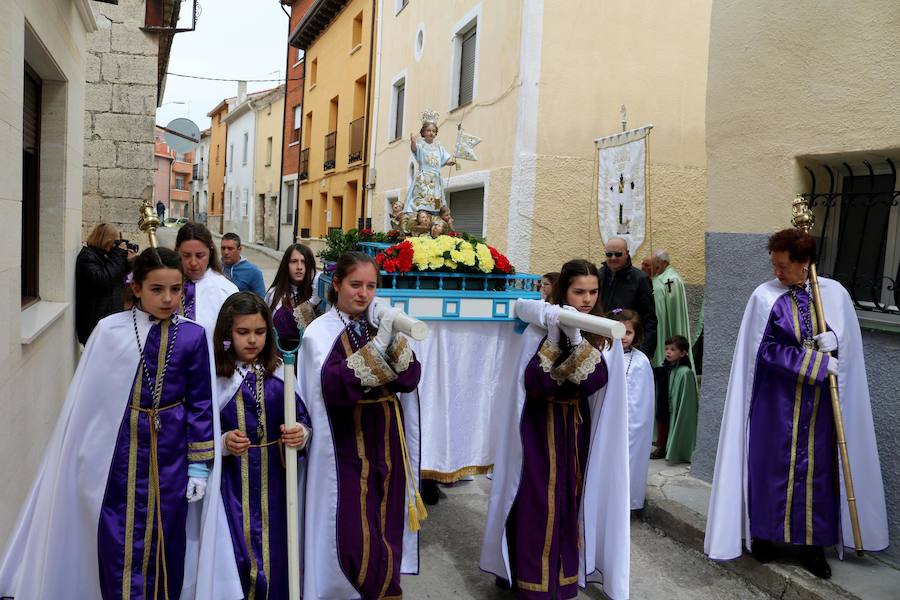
(622,188)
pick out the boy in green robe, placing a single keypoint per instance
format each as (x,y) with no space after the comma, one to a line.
(682,400)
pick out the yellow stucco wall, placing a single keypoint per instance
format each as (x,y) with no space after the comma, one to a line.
(338,66)
(652,57)
(217,156)
(830,96)
(269,124)
(491,115)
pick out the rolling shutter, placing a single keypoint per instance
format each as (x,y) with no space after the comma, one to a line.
(467,67)
(467,207)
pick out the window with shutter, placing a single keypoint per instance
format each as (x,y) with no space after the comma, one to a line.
(467,67)
(467,207)
(31,146)
(399,98)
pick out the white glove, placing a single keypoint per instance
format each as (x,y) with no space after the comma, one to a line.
(827,342)
(386,329)
(372,313)
(196,489)
(832,366)
(551,322)
(573,333)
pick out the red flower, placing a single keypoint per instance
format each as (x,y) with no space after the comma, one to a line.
(452,234)
(397,258)
(501,263)
(366,232)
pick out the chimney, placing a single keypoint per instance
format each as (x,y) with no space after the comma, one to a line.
(242,92)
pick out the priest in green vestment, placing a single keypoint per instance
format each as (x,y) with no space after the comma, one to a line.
(671,304)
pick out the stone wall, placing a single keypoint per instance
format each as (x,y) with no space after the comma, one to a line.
(120,110)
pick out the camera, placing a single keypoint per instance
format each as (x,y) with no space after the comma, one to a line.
(133,247)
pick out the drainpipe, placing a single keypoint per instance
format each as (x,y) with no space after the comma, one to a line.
(374,54)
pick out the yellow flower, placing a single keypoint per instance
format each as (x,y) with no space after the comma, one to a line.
(485,260)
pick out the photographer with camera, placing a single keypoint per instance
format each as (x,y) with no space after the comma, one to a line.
(100,271)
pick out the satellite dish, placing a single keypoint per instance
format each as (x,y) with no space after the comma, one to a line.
(182,135)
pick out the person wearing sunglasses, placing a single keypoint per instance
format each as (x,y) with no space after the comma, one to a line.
(624,286)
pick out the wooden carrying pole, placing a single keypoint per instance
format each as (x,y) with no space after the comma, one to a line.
(291,475)
(804,220)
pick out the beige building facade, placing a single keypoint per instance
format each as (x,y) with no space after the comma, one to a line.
(269,111)
(805,104)
(42,96)
(539,84)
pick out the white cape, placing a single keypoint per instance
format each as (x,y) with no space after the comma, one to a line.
(52,551)
(641,418)
(210,293)
(728,520)
(604,515)
(323,578)
(228,579)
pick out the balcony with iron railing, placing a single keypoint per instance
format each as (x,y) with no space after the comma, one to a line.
(330,150)
(357,138)
(197,172)
(303,175)
(858,233)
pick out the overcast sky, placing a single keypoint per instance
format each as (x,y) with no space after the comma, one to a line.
(235,39)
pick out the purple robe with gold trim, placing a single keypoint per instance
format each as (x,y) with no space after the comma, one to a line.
(253,488)
(359,387)
(542,527)
(792,465)
(132,549)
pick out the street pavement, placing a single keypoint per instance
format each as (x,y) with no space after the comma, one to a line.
(451,541)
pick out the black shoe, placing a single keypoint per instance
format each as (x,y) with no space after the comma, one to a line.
(762,550)
(502,583)
(430,492)
(813,560)
(658,453)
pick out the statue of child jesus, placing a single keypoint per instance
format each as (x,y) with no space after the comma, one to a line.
(427,191)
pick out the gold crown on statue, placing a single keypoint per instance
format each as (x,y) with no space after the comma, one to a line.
(430,117)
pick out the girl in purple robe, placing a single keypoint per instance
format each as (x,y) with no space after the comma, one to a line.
(129,459)
(542,528)
(364,457)
(253,474)
(292,299)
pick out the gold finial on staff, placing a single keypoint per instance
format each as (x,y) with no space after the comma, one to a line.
(149,222)
(803,219)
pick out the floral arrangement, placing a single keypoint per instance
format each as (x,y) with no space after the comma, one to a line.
(337,242)
(444,253)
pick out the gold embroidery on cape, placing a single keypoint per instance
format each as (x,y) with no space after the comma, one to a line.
(363,493)
(245,495)
(399,354)
(810,447)
(132,468)
(456,475)
(387,480)
(264,484)
(798,395)
(547,355)
(579,365)
(551,509)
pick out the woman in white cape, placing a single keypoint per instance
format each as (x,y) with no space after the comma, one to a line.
(808,513)
(206,288)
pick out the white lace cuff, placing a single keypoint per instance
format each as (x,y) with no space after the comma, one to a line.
(547,355)
(370,367)
(400,354)
(579,365)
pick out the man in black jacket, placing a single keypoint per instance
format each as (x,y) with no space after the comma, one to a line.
(624,286)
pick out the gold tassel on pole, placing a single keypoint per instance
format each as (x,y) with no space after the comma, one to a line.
(803,219)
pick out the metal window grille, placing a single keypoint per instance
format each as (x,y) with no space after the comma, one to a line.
(467,67)
(858,233)
(330,148)
(357,134)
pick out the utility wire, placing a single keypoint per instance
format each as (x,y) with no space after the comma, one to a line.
(227,79)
